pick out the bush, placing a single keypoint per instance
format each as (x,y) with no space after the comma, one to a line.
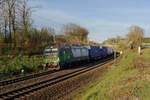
(12,66)
(10,70)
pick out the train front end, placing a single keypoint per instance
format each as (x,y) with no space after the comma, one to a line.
(51,57)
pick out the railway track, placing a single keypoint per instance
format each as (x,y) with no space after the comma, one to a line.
(28,77)
(16,93)
(19,79)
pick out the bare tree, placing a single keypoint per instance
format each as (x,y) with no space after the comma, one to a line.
(24,12)
(69,29)
(82,33)
(135,36)
(75,33)
(25,15)
(11,14)
(4,18)
(8,14)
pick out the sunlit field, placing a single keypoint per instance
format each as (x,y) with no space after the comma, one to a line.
(129,79)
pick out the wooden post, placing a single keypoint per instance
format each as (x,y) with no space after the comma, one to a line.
(139,50)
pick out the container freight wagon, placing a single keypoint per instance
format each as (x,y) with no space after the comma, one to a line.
(103,51)
(79,53)
(59,57)
(94,53)
(97,52)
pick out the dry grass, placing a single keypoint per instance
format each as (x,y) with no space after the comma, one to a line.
(139,62)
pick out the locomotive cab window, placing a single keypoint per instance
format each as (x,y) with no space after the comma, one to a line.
(48,52)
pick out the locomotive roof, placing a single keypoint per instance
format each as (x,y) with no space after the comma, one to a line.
(88,47)
(48,47)
(64,47)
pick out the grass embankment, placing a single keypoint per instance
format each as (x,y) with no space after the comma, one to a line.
(128,80)
(12,66)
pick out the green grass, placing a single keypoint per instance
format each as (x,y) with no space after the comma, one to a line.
(146,40)
(12,66)
(120,82)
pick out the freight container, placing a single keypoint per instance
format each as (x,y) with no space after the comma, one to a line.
(104,51)
(94,52)
(109,51)
(79,53)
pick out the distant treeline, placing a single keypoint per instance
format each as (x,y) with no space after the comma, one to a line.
(146,40)
(133,39)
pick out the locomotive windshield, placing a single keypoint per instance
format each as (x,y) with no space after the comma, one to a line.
(53,51)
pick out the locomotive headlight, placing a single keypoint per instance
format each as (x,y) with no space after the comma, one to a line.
(58,59)
(55,61)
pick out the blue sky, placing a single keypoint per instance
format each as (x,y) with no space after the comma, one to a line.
(103,18)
